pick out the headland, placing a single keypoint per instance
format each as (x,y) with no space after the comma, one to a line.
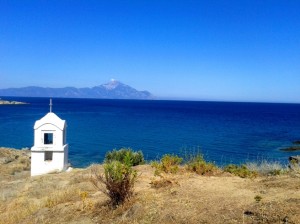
(184,197)
(7,102)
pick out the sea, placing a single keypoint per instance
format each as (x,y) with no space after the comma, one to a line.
(224,132)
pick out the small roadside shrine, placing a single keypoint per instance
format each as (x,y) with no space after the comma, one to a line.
(50,150)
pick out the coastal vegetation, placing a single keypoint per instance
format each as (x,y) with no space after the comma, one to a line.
(167,164)
(197,192)
(117,182)
(196,163)
(118,179)
(125,155)
(241,171)
(267,168)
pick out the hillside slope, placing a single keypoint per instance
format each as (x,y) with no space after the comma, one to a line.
(181,198)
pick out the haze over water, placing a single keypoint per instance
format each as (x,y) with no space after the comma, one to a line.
(225,132)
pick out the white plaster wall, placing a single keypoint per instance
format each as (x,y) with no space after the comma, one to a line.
(49,124)
(40,166)
(36,158)
(66,156)
(48,128)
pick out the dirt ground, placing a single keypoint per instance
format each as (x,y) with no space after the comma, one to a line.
(182,198)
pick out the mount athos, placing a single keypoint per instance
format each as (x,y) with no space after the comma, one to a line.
(111,90)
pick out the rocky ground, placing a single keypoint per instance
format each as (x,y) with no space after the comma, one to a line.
(185,197)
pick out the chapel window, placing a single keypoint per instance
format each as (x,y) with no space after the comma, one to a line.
(48,156)
(48,138)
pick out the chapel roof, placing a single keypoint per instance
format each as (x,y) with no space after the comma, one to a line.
(50,118)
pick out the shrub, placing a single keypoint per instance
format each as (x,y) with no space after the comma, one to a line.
(258,198)
(168,164)
(118,179)
(163,182)
(198,165)
(125,155)
(267,168)
(241,171)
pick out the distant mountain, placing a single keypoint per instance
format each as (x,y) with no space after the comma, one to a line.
(112,90)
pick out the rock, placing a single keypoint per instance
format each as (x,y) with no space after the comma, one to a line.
(294,162)
(291,148)
(285,220)
(6,102)
(294,159)
(6,160)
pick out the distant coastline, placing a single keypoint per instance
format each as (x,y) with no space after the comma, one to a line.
(7,102)
(111,90)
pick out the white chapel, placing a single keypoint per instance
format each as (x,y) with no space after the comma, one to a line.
(50,150)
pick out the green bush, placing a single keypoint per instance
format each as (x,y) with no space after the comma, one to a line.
(118,179)
(198,165)
(241,171)
(125,155)
(168,164)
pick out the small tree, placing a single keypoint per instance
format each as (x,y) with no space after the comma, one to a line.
(118,179)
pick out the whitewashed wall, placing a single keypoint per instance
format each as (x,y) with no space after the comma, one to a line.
(58,163)
(52,124)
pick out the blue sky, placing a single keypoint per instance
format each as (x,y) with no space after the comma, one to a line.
(201,50)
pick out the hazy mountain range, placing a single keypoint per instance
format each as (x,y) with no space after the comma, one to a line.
(111,90)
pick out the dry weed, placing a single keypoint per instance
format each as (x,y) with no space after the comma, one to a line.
(18,210)
(163,181)
(62,196)
(272,212)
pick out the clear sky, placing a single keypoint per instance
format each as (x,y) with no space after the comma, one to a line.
(243,50)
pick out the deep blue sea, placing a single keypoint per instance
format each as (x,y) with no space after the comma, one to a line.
(225,132)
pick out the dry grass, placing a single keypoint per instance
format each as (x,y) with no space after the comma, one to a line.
(186,198)
(14,162)
(267,167)
(164,180)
